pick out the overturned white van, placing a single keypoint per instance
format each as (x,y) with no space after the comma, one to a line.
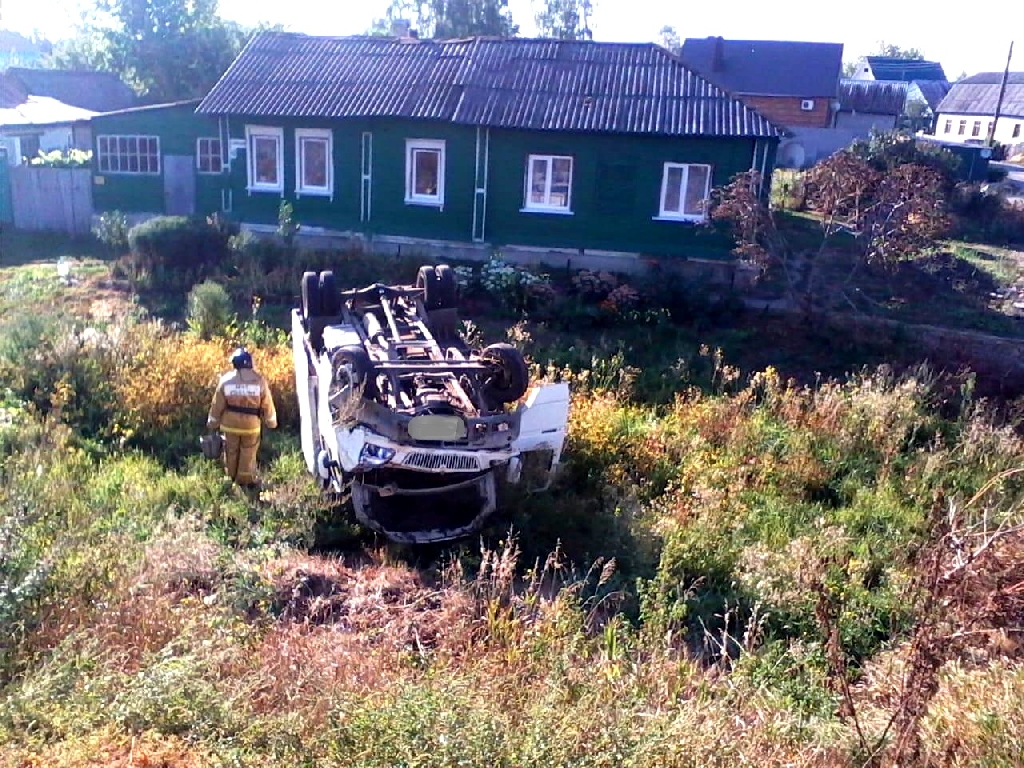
(401,414)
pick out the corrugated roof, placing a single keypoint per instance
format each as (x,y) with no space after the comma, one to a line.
(977,95)
(993,78)
(42,110)
(894,68)
(510,83)
(933,91)
(12,92)
(872,96)
(94,91)
(767,67)
(150,107)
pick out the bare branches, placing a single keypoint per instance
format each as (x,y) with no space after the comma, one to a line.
(893,215)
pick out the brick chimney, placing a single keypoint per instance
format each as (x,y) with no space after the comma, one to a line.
(718,55)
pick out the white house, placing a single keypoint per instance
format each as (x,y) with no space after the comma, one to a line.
(46,110)
(967,112)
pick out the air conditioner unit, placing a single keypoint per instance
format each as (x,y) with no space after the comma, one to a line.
(807,105)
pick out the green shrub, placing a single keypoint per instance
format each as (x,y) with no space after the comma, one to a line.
(178,250)
(59,369)
(112,230)
(209,310)
(287,225)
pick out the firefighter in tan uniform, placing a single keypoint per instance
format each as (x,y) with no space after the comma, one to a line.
(241,402)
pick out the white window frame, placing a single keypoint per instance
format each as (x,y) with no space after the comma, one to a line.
(664,215)
(116,137)
(976,129)
(209,154)
(531,207)
(948,126)
(321,134)
(253,132)
(411,147)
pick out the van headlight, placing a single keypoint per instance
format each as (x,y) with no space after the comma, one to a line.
(375,455)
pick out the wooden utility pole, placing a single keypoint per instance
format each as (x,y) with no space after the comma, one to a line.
(999,101)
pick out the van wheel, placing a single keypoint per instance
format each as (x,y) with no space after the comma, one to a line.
(446,288)
(310,295)
(330,300)
(508,378)
(351,373)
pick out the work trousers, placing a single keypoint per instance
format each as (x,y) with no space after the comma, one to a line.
(240,457)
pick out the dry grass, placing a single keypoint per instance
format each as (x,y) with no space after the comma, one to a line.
(110,748)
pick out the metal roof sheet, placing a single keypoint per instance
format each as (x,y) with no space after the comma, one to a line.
(767,67)
(874,97)
(510,83)
(977,95)
(933,91)
(42,110)
(94,91)
(895,68)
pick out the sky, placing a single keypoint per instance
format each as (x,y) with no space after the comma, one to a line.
(960,40)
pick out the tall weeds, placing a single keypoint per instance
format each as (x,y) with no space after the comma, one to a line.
(732,575)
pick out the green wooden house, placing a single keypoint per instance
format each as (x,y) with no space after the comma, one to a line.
(467,145)
(159,159)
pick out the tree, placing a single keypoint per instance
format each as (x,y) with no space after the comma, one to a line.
(893,212)
(740,206)
(669,38)
(565,19)
(446,19)
(895,52)
(167,50)
(889,50)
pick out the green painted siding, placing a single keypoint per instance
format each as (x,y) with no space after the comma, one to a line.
(178,128)
(390,214)
(616,186)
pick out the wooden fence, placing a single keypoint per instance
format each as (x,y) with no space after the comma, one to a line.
(58,199)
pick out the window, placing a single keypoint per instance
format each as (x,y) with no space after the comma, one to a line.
(988,130)
(962,128)
(128,154)
(949,127)
(313,161)
(30,146)
(684,191)
(1016,131)
(424,172)
(265,161)
(976,128)
(548,183)
(208,157)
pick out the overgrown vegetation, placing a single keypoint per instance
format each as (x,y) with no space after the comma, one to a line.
(879,215)
(731,569)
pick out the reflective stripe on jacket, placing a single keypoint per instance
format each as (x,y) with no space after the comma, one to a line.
(241,401)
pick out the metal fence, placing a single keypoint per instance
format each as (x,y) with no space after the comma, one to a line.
(58,199)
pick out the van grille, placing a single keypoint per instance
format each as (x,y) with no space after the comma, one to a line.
(450,462)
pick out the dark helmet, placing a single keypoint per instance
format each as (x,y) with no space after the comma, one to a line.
(241,358)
